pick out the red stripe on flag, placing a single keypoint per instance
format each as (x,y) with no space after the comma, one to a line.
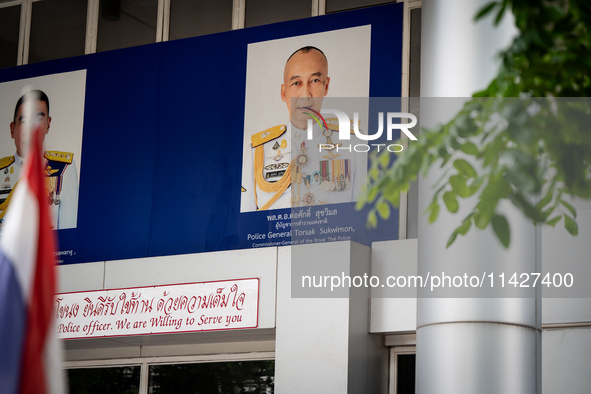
(41,302)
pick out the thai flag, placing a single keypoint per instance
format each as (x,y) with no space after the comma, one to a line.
(30,357)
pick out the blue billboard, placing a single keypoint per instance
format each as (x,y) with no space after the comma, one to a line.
(162,138)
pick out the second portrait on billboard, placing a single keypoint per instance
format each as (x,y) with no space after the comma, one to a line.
(287,82)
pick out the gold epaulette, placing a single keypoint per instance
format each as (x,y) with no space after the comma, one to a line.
(267,135)
(62,157)
(6,161)
(333,124)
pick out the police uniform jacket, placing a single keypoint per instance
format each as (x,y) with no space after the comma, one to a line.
(290,170)
(62,186)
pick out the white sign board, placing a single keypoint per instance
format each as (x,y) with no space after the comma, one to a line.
(206,306)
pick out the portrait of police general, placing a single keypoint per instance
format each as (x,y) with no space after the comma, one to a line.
(49,98)
(288,83)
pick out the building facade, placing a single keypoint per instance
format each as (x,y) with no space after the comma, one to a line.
(357,340)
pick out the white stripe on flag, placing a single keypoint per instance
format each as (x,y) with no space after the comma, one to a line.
(20,235)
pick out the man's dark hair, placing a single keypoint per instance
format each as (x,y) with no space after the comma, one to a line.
(34,95)
(307,49)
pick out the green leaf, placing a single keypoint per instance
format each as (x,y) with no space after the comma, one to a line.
(475,185)
(465,227)
(465,168)
(554,220)
(394,199)
(469,148)
(434,212)
(372,194)
(383,210)
(491,151)
(451,239)
(373,173)
(444,154)
(546,213)
(372,219)
(361,201)
(465,126)
(521,170)
(458,184)
(384,160)
(501,228)
(449,198)
(391,191)
(481,220)
(572,209)
(500,14)
(544,201)
(529,210)
(485,10)
(570,225)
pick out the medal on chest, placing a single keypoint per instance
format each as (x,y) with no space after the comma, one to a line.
(336,175)
(298,176)
(53,180)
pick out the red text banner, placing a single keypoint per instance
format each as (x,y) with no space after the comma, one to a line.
(206,306)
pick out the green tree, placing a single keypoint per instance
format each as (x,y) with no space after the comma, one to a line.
(519,139)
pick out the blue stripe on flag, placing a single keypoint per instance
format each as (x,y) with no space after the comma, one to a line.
(12,326)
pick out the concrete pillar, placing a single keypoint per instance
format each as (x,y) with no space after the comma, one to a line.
(470,345)
(323,344)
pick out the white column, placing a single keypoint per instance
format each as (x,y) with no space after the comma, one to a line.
(470,345)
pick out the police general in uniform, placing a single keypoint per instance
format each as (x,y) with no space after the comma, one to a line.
(290,170)
(59,167)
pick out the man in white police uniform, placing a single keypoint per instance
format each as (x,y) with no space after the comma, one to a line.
(290,170)
(59,167)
